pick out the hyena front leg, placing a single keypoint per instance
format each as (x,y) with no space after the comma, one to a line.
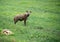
(25,22)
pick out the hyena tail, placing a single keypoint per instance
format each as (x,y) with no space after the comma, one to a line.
(15,21)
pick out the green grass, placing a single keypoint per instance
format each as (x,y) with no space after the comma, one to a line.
(43,24)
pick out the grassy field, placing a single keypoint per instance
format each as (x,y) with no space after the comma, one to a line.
(43,25)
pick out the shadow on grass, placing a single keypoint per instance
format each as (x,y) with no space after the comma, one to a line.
(38,27)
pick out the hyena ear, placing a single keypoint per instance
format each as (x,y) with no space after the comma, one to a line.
(30,12)
(26,11)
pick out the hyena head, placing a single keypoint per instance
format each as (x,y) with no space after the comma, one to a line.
(28,12)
